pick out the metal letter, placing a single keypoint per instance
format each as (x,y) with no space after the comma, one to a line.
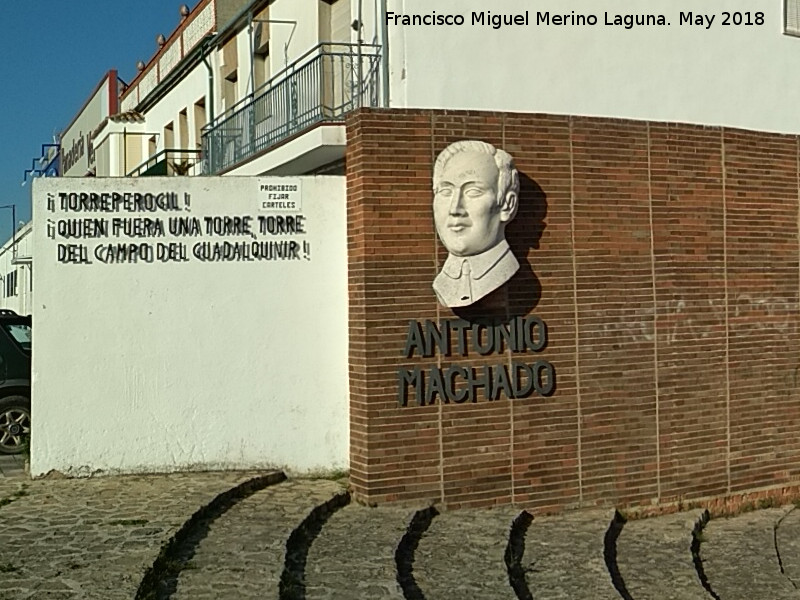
(548,387)
(414,340)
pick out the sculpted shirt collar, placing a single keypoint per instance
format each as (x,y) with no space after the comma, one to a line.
(480,264)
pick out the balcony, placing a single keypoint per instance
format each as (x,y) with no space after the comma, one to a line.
(322,86)
(170,162)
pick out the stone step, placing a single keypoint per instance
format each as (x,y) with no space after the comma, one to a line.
(95,539)
(354,555)
(462,555)
(654,557)
(564,557)
(242,555)
(739,557)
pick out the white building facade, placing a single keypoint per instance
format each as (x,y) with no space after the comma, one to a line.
(16,272)
(262,86)
(265,92)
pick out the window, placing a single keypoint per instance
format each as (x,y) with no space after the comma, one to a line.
(183,129)
(230,58)
(11,284)
(261,67)
(169,136)
(229,90)
(791,17)
(199,121)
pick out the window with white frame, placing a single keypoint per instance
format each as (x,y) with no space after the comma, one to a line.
(11,284)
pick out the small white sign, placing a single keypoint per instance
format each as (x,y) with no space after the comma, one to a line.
(279,194)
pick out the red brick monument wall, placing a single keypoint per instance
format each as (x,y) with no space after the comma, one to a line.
(662,259)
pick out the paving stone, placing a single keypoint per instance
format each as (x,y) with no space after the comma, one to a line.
(739,557)
(354,555)
(564,557)
(12,466)
(243,555)
(655,559)
(462,555)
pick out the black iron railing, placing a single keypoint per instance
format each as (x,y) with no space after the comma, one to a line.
(323,85)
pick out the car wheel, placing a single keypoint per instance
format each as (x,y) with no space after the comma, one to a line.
(15,424)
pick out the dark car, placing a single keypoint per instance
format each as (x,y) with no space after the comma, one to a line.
(15,382)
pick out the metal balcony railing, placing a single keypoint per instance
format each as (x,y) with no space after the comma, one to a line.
(170,162)
(322,86)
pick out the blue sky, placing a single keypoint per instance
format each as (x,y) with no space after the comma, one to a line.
(52,55)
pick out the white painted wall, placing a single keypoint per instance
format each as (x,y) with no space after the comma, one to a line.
(301,35)
(735,76)
(191,365)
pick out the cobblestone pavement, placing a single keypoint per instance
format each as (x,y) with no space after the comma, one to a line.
(243,535)
(243,554)
(12,465)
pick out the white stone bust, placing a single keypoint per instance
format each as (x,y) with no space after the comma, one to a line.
(476,193)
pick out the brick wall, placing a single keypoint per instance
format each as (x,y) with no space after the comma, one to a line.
(663,259)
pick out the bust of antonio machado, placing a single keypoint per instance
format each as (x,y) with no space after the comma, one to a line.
(476,191)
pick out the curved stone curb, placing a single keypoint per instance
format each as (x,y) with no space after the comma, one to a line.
(404,555)
(610,554)
(697,540)
(292,584)
(160,580)
(775,529)
(514,552)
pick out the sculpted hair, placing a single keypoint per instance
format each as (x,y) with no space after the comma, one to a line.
(508,179)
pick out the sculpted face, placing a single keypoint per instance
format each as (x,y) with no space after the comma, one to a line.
(468,218)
